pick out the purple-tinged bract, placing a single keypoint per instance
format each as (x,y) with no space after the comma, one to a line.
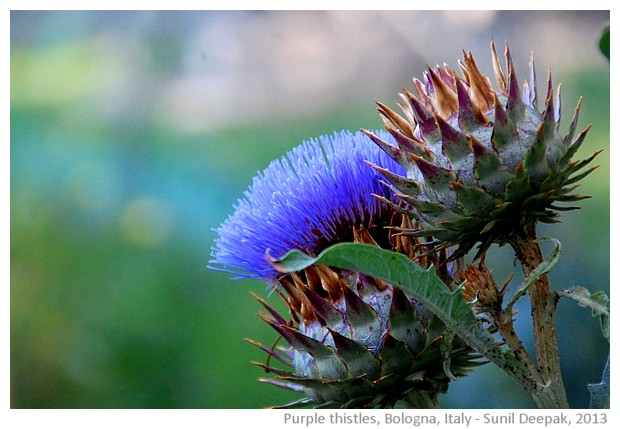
(355,341)
(482,164)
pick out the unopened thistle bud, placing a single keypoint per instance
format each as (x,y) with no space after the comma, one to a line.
(479,288)
(482,164)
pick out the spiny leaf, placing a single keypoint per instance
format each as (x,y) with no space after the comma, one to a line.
(326,392)
(426,119)
(405,185)
(514,104)
(469,115)
(325,309)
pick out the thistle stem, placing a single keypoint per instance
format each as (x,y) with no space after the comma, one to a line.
(506,329)
(552,394)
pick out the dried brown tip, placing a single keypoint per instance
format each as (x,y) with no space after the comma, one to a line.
(446,100)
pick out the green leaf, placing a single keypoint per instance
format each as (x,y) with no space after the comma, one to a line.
(604,43)
(598,302)
(423,285)
(599,393)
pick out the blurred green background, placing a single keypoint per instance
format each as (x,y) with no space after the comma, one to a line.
(132,136)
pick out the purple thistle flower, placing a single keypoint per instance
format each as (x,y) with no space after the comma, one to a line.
(355,341)
(308,200)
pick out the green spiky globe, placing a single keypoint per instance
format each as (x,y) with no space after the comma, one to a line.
(481,163)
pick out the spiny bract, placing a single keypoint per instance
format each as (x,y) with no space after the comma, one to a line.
(362,343)
(354,341)
(481,163)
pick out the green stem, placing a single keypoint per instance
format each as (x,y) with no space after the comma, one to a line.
(552,394)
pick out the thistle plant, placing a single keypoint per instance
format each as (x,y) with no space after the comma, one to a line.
(366,243)
(484,166)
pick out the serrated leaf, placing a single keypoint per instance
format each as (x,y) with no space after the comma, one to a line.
(598,302)
(422,284)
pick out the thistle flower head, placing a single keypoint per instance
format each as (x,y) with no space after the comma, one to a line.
(312,198)
(481,162)
(354,341)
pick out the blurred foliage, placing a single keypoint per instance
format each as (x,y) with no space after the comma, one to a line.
(604,42)
(112,210)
